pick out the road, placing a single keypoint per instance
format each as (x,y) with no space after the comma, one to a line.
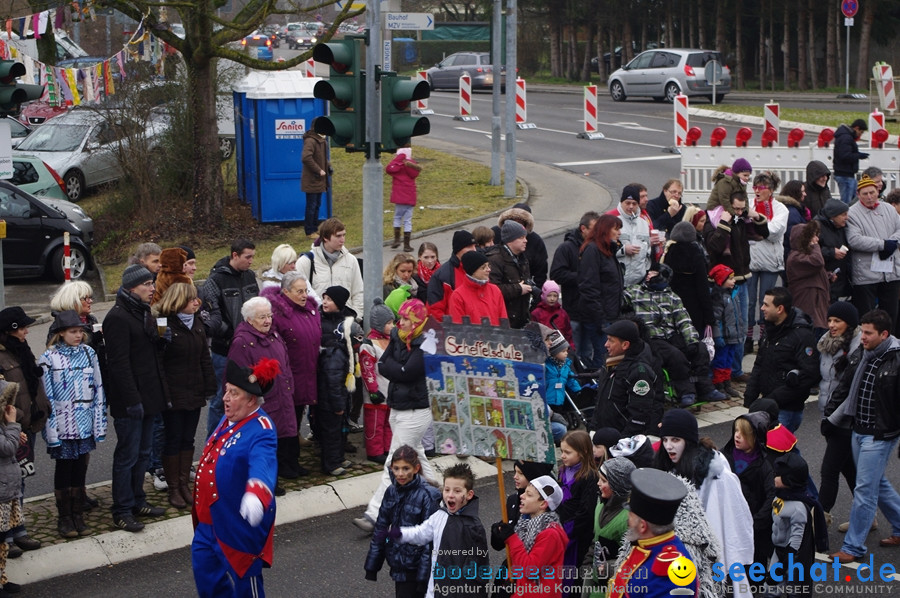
(324,556)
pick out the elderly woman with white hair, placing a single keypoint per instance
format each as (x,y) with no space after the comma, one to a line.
(255,338)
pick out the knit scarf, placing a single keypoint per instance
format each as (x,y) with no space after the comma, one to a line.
(867,356)
(477,281)
(765,208)
(408,337)
(528,529)
(830,345)
(411,283)
(186,319)
(423,271)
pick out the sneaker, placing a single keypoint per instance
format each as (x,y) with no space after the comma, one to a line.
(12,588)
(14,552)
(193,473)
(280,491)
(688,400)
(714,396)
(355,427)
(147,510)
(828,519)
(364,524)
(159,481)
(846,525)
(338,471)
(346,463)
(127,523)
(27,543)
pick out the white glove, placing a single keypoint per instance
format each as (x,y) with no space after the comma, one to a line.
(251,509)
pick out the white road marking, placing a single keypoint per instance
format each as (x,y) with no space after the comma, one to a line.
(617,160)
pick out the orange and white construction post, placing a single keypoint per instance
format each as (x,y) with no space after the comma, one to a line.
(521,109)
(884,82)
(680,106)
(67,257)
(876,122)
(421,106)
(590,114)
(309,68)
(771,113)
(465,99)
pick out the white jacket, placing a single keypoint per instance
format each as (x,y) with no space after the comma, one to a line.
(866,232)
(343,273)
(768,255)
(635,231)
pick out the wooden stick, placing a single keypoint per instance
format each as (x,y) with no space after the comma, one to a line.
(501,483)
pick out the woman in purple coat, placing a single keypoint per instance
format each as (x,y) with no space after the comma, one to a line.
(254,338)
(296,318)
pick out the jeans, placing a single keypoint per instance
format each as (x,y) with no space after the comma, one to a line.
(130,459)
(403,217)
(597,341)
(847,187)
(737,368)
(873,491)
(583,346)
(159,440)
(790,419)
(216,406)
(408,427)
(311,217)
(757,286)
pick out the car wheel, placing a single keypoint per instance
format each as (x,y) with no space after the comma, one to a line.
(617,91)
(672,90)
(719,98)
(78,263)
(226,147)
(74,181)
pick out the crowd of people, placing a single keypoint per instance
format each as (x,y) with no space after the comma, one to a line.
(652,291)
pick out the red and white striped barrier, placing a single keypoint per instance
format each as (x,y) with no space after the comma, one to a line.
(771,113)
(680,107)
(309,68)
(590,114)
(884,81)
(465,99)
(876,123)
(421,106)
(67,257)
(521,109)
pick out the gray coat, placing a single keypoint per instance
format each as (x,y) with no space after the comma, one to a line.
(10,472)
(866,232)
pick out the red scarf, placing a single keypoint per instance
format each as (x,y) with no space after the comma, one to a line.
(765,208)
(424,272)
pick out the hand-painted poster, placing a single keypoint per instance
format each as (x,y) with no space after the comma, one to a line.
(486,387)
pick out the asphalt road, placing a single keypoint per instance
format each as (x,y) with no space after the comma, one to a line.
(324,556)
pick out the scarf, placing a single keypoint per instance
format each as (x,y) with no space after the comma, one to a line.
(411,283)
(423,271)
(480,283)
(528,529)
(331,257)
(867,356)
(408,337)
(134,304)
(186,319)
(765,208)
(30,369)
(830,345)
(743,460)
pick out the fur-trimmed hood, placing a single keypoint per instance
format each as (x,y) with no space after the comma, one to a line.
(519,215)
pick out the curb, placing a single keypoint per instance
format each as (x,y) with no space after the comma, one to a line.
(119,546)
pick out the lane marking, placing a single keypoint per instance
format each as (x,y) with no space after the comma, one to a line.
(617,160)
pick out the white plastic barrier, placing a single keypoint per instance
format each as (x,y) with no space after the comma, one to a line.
(699,163)
(884,82)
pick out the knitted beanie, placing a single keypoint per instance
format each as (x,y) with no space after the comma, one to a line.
(720,273)
(533,469)
(511,230)
(135,275)
(741,165)
(617,472)
(549,287)
(472,260)
(339,295)
(846,312)
(380,315)
(679,423)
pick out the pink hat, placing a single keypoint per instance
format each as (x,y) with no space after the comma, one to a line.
(549,287)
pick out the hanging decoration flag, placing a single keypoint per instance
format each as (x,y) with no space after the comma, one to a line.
(71,78)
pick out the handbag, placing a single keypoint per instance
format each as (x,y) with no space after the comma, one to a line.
(25,459)
(709,342)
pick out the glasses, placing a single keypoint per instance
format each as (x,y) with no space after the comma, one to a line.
(760,188)
(149,283)
(88,299)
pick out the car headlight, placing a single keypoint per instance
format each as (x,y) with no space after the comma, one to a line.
(80,212)
(75,226)
(312,40)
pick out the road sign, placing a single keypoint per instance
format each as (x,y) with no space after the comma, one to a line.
(354,5)
(713,72)
(408,20)
(849,8)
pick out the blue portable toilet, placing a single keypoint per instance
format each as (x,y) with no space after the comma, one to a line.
(273,110)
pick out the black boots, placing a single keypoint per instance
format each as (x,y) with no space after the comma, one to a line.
(64,524)
(396,242)
(406,246)
(186,459)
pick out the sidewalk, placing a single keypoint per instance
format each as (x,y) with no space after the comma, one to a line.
(548,189)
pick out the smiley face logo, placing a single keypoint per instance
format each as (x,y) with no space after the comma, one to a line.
(682,571)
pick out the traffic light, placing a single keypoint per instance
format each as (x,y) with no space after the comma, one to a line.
(345,89)
(397,124)
(12,93)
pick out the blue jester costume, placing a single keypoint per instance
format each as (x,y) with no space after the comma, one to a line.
(238,468)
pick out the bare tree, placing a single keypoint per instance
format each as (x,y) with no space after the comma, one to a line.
(738,44)
(813,44)
(786,45)
(802,45)
(833,47)
(869,9)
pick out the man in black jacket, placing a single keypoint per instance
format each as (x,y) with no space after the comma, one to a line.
(136,390)
(832,219)
(564,272)
(787,364)
(510,272)
(847,157)
(231,282)
(629,398)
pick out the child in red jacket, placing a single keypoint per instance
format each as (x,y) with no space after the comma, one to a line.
(403,170)
(550,312)
(537,543)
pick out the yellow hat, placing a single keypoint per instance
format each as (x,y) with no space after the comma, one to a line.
(865,181)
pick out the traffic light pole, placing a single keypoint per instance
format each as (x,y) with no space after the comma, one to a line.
(495,92)
(373,176)
(509,179)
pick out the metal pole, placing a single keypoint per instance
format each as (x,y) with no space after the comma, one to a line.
(509,180)
(2,279)
(495,93)
(373,176)
(847,70)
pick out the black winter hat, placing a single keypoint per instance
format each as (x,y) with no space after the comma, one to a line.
(135,275)
(846,312)
(834,207)
(631,192)
(66,319)
(625,330)
(472,260)
(679,423)
(339,295)
(461,240)
(13,318)
(606,437)
(533,469)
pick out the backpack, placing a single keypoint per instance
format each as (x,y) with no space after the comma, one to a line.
(312,265)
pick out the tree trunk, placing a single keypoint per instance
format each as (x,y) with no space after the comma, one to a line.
(738,46)
(802,46)
(701,30)
(720,27)
(786,46)
(761,59)
(691,24)
(869,9)
(670,33)
(833,60)
(812,46)
(207,204)
(588,47)
(555,53)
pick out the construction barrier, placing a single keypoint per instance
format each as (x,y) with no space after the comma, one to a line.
(884,82)
(876,124)
(680,107)
(521,109)
(590,108)
(67,257)
(465,99)
(309,68)
(773,125)
(422,104)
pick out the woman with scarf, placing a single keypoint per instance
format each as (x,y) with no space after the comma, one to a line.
(842,338)
(766,254)
(610,519)
(18,364)
(398,281)
(477,297)
(426,266)
(403,364)
(537,543)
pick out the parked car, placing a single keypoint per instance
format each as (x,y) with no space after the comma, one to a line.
(34,235)
(290,27)
(664,73)
(81,146)
(34,176)
(17,131)
(258,46)
(446,73)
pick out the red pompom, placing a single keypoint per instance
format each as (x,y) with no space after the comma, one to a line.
(265,370)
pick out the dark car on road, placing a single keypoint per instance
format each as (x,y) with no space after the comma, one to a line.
(446,73)
(34,235)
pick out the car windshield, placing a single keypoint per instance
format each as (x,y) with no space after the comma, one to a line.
(53,137)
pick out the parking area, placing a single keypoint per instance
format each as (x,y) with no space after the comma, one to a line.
(33,294)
